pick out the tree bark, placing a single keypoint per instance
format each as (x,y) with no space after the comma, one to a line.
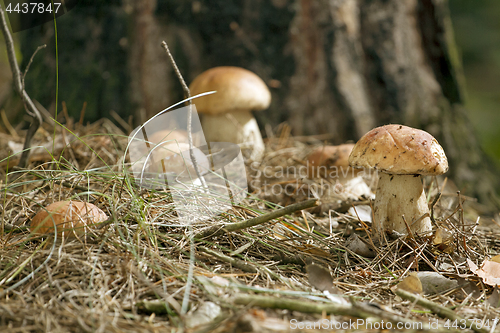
(149,84)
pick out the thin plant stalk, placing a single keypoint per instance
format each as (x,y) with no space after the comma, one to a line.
(30,107)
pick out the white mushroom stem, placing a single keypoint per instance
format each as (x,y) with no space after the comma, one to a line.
(236,127)
(398,196)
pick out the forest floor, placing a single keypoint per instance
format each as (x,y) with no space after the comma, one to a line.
(144,271)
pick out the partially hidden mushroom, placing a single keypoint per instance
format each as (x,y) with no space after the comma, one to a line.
(175,158)
(168,136)
(69,218)
(331,162)
(401,155)
(227,114)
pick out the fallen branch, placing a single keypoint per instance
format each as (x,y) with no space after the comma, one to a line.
(219,230)
(440,310)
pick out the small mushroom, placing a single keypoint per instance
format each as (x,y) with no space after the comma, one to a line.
(401,154)
(70,217)
(331,162)
(227,113)
(177,160)
(168,136)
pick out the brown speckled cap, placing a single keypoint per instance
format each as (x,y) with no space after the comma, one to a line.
(237,88)
(401,150)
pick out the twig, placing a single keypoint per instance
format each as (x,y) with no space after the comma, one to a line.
(410,233)
(82,114)
(254,268)
(18,83)
(365,228)
(441,311)
(168,299)
(120,120)
(156,306)
(190,113)
(31,61)
(218,230)
(434,202)
(187,291)
(233,261)
(6,122)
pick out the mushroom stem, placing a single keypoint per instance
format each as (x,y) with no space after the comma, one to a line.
(398,196)
(236,127)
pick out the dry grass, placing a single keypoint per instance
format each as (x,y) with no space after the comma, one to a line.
(131,274)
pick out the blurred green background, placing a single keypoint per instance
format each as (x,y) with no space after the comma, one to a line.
(477,33)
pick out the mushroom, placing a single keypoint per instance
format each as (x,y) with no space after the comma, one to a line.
(227,113)
(331,162)
(401,154)
(70,217)
(169,136)
(177,160)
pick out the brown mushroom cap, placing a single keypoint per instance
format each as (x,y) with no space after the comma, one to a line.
(177,159)
(401,150)
(71,217)
(326,158)
(237,89)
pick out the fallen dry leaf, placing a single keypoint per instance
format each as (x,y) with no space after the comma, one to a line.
(205,314)
(435,283)
(442,236)
(494,299)
(358,246)
(320,278)
(411,283)
(314,250)
(489,271)
(443,241)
